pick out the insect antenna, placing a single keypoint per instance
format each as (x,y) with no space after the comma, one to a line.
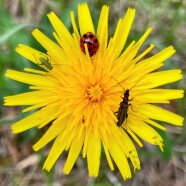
(136,83)
(118,83)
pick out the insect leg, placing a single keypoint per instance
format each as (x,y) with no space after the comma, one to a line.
(125,122)
(132,108)
(116,113)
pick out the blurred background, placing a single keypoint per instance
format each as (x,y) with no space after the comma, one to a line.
(19,165)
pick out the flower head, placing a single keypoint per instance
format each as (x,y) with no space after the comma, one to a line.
(94,99)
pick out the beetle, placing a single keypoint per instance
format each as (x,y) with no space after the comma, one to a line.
(122,113)
(92,43)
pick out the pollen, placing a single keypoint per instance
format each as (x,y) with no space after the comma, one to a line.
(95,93)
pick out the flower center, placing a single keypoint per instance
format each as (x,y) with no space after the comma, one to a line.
(94,93)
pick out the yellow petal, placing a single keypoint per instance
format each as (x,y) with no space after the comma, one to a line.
(56,128)
(102,30)
(137,46)
(85,146)
(85,20)
(58,147)
(29,98)
(122,61)
(34,71)
(119,157)
(30,53)
(33,107)
(158,95)
(161,114)
(146,132)
(132,134)
(74,25)
(32,79)
(93,154)
(143,53)
(122,31)
(56,150)
(152,63)
(129,148)
(60,29)
(66,39)
(154,124)
(34,120)
(52,48)
(156,79)
(109,160)
(74,151)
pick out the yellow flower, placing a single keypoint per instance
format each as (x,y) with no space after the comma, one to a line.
(81,96)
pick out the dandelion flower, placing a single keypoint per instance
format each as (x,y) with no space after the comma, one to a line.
(80,93)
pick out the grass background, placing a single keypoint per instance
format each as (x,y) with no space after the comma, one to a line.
(19,165)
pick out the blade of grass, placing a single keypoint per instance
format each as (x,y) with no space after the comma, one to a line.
(12,31)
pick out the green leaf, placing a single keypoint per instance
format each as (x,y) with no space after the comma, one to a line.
(167,153)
